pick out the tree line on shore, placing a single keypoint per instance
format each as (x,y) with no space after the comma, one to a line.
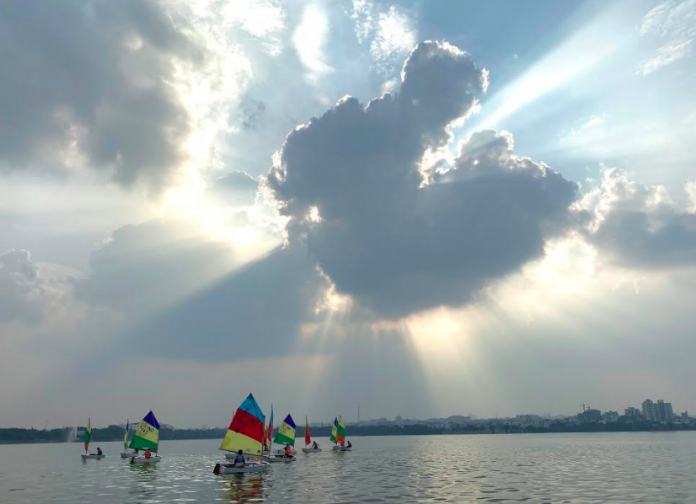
(167,433)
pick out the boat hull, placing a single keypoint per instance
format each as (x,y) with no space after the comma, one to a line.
(142,460)
(252,467)
(274,459)
(125,455)
(311,450)
(92,456)
(344,448)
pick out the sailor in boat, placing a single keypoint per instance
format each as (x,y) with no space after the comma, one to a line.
(148,453)
(315,445)
(350,445)
(239,460)
(99,452)
(288,451)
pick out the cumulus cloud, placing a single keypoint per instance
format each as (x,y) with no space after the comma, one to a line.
(640,226)
(90,82)
(673,24)
(138,90)
(352,185)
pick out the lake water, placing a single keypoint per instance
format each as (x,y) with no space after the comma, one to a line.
(542,468)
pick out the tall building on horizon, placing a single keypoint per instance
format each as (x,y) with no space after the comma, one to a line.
(664,411)
(657,412)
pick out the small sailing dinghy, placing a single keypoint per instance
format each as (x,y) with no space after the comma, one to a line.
(338,435)
(245,433)
(146,438)
(127,452)
(88,437)
(308,441)
(285,436)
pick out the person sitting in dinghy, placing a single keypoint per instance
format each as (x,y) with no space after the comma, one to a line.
(288,451)
(315,445)
(350,445)
(99,452)
(239,460)
(148,453)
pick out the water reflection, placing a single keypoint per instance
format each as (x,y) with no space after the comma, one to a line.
(143,482)
(571,469)
(244,488)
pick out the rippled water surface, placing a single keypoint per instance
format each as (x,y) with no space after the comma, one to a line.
(569,468)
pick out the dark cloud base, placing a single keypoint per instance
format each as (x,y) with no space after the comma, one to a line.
(398,247)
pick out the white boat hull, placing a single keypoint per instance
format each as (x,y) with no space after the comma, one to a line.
(311,450)
(142,460)
(274,459)
(345,448)
(92,456)
(281,452)
(125,455)
(251,467)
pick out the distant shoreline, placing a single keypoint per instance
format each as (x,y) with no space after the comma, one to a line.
(115,433)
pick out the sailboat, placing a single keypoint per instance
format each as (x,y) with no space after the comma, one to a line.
(88,438)
(285,436)
(146,437)
(334,436)
(127,453)
(341,435)
(308,440)
(245,433)
(338,435)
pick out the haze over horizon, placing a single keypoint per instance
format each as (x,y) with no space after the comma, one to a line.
(424,208)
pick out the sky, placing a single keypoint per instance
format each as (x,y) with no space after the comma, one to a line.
(412,208)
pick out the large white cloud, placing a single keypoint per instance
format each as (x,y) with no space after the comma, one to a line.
(640,226)
(352,184)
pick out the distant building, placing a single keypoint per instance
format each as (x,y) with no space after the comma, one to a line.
(658,412)
(610,416)
(633,413)
(590,415)
(664,411)
(649,411)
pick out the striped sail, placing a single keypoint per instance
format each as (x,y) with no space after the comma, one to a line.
(286,432)
(147,435)
(246,430)
(334,430)
(341,430)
